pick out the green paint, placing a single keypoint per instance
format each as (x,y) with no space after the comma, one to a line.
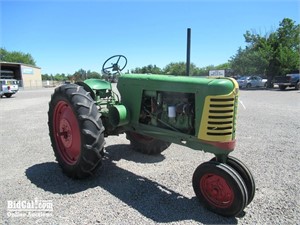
(157,92)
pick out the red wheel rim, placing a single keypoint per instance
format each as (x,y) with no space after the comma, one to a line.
(66,132)
(216,191)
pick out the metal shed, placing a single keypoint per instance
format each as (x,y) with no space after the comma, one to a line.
(28,76)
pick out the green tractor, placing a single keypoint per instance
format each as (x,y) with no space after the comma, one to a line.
(154,111)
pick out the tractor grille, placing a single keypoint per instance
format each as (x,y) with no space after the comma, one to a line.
(218,118)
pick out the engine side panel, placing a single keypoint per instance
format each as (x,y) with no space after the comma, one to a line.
(179,109)
(170,110)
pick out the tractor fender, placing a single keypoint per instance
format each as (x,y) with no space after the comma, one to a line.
(87,89)
(93,85)
(97,84)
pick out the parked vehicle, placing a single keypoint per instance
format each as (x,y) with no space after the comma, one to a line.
(154,111)
(251,81)
(8,87)
(290,80)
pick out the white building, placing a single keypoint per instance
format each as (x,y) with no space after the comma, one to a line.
(28,76)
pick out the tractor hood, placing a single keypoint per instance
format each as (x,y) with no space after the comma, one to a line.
(207,85)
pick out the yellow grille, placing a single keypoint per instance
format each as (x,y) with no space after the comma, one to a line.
(218,118)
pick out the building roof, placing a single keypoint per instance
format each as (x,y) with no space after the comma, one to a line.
(16,64)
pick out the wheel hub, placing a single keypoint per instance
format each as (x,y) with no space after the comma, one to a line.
(67,131)
(216,190)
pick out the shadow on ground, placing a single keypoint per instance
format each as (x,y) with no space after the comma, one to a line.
(148,197)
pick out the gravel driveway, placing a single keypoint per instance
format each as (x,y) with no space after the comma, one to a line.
(132,188)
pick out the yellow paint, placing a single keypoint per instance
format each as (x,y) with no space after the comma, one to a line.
(215,106)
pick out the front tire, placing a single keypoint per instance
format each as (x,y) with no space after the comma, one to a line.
(220,188)
(145,144)
(76,131)
(245,174)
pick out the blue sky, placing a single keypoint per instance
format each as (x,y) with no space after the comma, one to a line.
(65,36)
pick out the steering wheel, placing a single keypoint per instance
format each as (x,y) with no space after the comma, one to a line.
(112,68)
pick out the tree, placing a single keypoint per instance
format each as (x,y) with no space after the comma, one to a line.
(152,69)
(17,57)
(60,77)
(179,69)
(46,77)
(248,62)
(274,54)
(80,75)
(93,74)
(224,66)
(288,54)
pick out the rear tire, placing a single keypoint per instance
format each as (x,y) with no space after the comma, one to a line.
(297,86)
(8,95)
(282,87)
(76,131)
(145,144)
